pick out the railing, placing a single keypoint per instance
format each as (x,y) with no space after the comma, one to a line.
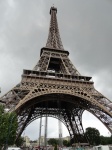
(53,75)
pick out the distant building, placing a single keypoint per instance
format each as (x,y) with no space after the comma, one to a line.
(42,141)
(26,141)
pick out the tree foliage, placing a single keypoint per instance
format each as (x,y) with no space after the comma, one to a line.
(8,127)
(20,142)
(53,141)
(66,143)
(105,140)
(93,136)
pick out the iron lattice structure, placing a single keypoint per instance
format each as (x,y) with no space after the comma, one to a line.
(55,88)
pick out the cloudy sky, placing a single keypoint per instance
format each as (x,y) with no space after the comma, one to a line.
(86,32)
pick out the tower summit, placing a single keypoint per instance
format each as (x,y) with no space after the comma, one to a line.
(53,57)
(54,40)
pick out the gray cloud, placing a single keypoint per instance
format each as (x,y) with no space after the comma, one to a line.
(86,32)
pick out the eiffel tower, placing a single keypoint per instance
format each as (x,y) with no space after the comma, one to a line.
(55,88)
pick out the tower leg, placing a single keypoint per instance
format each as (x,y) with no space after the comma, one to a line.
(74,117)
(78,128)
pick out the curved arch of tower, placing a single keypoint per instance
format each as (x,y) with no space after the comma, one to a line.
(56,88)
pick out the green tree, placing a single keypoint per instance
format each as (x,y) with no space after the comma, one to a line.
(110,139)
(93,136)
(8,127)
(66,143)
(19,142)
(53,141)
(105,140)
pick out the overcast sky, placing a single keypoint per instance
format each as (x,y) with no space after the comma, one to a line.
(86,32)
